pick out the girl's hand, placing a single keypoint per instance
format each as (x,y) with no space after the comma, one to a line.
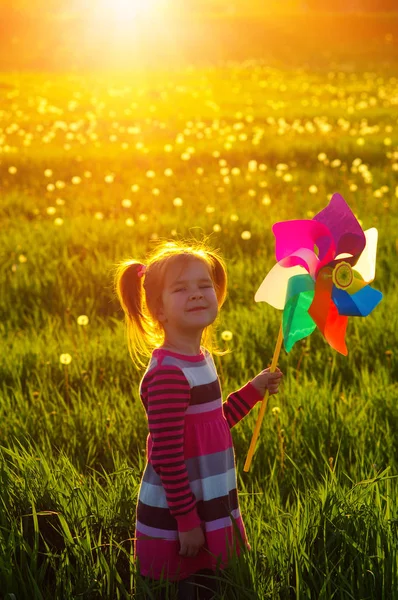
(191,541)
(267,381)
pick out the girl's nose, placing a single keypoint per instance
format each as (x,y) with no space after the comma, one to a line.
(197,294)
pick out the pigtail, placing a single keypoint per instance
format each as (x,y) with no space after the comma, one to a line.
(129,290)
(219,275)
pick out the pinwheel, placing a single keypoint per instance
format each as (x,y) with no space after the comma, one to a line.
(322,277)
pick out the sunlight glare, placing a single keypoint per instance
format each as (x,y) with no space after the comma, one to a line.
(127,10)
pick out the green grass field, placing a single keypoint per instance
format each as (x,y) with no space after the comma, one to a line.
(95,168)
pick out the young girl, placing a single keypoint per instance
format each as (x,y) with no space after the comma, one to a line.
(188,518)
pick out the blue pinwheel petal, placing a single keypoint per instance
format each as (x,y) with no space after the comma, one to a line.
(359,304)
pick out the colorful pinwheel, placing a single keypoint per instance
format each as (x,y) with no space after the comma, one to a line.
(315,283)
(322,275)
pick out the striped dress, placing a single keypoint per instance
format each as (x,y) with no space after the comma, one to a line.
(189,479)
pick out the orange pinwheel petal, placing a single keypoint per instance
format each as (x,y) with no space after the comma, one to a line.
(325,314)
(335,329)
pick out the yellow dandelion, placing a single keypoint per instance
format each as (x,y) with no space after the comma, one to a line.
(87,174)
(60,184)
(99,216)
(168,172)
(82,320)
(22,258)
(48,173)
(58,221)
(130,222)
(177,202)
(266,200)
(353,187)
(12,170)
(246,235)
(360,141)
(126,203)
(227,335)
(150,174)
(168,148)
(50,187)
(109,178)
(235,171)
(156,191)
(210,209)
(143,218)
(322,156)
(217,228)
(135,187)
(76,180)
(234,218)
(65,359)
(313,189)
(60,201)
(387,141)
(276,411)
(51,210)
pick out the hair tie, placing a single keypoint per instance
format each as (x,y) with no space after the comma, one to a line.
(141,271)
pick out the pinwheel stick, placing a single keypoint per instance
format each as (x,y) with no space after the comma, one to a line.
(264,403)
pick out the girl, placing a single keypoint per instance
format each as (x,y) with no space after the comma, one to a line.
(188,519)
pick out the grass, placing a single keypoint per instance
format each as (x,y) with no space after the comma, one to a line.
(319,502)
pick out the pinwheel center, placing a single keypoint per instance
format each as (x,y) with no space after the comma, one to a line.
(342,275)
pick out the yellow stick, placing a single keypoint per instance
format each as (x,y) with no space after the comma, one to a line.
(264,403)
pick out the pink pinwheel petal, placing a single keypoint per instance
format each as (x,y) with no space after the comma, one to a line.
(303,257)
(344,228)
(294,238)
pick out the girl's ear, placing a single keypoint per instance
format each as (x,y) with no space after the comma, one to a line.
(160,312)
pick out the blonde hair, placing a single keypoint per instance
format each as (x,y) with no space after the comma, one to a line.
(140,295)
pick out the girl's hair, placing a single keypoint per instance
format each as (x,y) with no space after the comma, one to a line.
(140,294)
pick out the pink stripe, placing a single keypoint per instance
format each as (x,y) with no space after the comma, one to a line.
(161,555)
(170,461)
(169,392)
(208,444)
(180,423)
(166,405)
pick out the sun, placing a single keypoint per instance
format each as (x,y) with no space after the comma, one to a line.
(127,10)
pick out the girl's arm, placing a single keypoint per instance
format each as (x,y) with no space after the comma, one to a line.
(168,394)
(239,404)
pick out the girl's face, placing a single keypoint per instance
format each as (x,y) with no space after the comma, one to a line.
(189,301)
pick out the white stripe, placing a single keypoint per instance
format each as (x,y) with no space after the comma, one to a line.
(156,533)
(223,522)
(199,375)
(198,408)
(209,488)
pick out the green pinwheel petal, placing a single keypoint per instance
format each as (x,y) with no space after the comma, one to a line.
(296,322)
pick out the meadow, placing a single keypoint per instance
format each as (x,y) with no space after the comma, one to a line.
(98,167)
